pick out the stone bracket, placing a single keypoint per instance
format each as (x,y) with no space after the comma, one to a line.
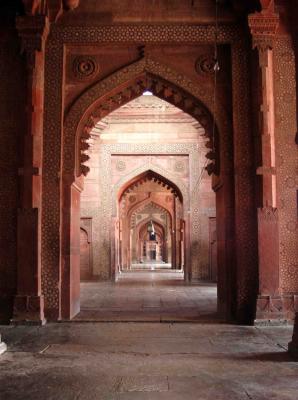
(263,27)
(33,31)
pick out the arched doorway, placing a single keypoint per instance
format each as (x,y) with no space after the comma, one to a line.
(151,244)
(93,110)
(150,203)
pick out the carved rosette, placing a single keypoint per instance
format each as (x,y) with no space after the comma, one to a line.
(85,67)
(205,64)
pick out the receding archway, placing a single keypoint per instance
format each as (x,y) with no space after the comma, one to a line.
(145,198)
(101,99)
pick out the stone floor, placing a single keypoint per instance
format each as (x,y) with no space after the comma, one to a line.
(148,296)
(200,359)
(147,361)
(150,265)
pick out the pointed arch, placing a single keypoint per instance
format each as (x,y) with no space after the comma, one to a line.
(151,175)
(159,172)
(141,205)
(123,86)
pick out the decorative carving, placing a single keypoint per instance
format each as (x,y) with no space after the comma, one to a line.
(161,88)
(268,214)
(169,199)
(179,166)
(120,165)
(263,27)
(160,180)
(55,144)
(33,31)
(276,307)
(132,199)
(85,67)
(150,208)
(205,64)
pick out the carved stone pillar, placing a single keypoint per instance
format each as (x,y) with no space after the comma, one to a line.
(263,28)
(293,345)
(29,303)
(3,346)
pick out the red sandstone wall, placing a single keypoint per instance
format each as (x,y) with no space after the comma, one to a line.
(286,159)
(11,129)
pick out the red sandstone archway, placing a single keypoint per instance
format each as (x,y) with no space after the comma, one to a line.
(123,241)
(142,233)
(97,102)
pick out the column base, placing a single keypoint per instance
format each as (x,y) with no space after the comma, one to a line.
(28,310)
(293,345)
(276,310)
(3,347)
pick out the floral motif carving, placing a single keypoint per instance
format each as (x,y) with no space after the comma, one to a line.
(263,27)
(84,67)
(179,166)
(120,165)
(205,64)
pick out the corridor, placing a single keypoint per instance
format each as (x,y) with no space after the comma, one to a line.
(148,296)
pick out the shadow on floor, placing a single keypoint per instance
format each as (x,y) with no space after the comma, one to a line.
(282,356)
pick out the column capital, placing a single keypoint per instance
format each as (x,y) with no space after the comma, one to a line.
(263,26)
(33,31)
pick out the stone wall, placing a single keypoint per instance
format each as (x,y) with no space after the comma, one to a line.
(286,160)
(12,108)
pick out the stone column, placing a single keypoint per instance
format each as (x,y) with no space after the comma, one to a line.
(293,345)
(29,302)
(3,346)
(263,28)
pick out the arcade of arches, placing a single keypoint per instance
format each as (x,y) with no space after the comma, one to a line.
(156,160)
(127,154)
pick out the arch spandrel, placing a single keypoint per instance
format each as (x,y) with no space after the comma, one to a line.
(123,86)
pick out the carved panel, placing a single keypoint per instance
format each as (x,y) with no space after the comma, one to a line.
(286,172)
